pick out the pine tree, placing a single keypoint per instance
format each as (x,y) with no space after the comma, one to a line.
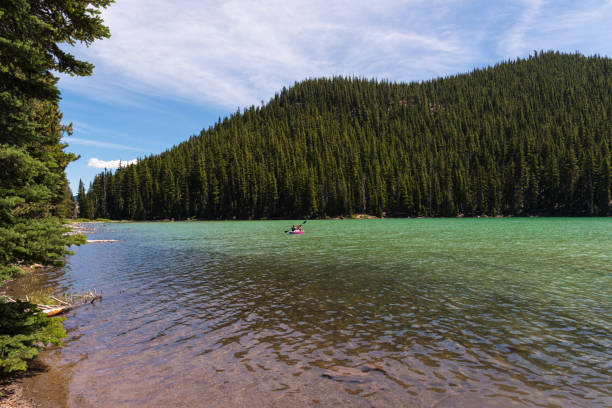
(34,193)
(494,141)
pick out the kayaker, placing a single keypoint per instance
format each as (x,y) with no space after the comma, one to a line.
(293,228)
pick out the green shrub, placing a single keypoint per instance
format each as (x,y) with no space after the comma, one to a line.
(9,272)
(24,331)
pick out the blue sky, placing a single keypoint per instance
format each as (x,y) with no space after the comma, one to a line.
(173,68)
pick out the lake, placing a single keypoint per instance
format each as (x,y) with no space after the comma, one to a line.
(395,312)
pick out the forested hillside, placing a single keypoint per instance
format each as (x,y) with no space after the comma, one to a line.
(531,136)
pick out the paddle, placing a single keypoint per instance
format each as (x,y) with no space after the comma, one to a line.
(300,224)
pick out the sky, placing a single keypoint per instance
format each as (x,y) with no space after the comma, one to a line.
(173,68)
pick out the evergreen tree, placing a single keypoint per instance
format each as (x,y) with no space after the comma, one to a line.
(34,193)
(530,136)
(85,202)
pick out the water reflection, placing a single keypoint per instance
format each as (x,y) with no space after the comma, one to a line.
(199,312)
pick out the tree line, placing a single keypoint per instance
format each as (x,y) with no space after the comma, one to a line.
(528,136)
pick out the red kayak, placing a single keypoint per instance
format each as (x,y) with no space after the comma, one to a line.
(297,232)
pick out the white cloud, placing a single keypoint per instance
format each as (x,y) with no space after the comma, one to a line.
(96,143)
(238,52)
(514,42)
(566,26)
(111,164)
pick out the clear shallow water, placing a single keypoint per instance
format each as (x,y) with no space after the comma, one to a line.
(414,312)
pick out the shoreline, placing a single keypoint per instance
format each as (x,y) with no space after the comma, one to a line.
(11,393)
(336,218)
(43,385)
(45,382)
(19,389)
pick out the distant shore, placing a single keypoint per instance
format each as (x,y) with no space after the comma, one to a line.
(80,226)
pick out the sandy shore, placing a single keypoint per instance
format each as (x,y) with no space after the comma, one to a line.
(44,385)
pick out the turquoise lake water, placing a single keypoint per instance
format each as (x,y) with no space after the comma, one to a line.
(385,313)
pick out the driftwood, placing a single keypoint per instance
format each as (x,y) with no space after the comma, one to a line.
(80,228)
(64,302)
(70,303)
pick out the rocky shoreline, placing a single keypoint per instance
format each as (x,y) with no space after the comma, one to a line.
(12,395)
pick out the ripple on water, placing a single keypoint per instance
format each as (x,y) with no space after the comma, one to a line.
(491,312)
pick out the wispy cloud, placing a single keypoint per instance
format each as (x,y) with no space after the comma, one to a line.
(514,42)
(564,25)
(82,127)
(111,164)
(96,143)
(238,52)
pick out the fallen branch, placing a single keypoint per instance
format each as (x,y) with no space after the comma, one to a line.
(69,303)
(74,301)
(59,300)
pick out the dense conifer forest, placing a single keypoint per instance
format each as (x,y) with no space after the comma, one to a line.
(530,136)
